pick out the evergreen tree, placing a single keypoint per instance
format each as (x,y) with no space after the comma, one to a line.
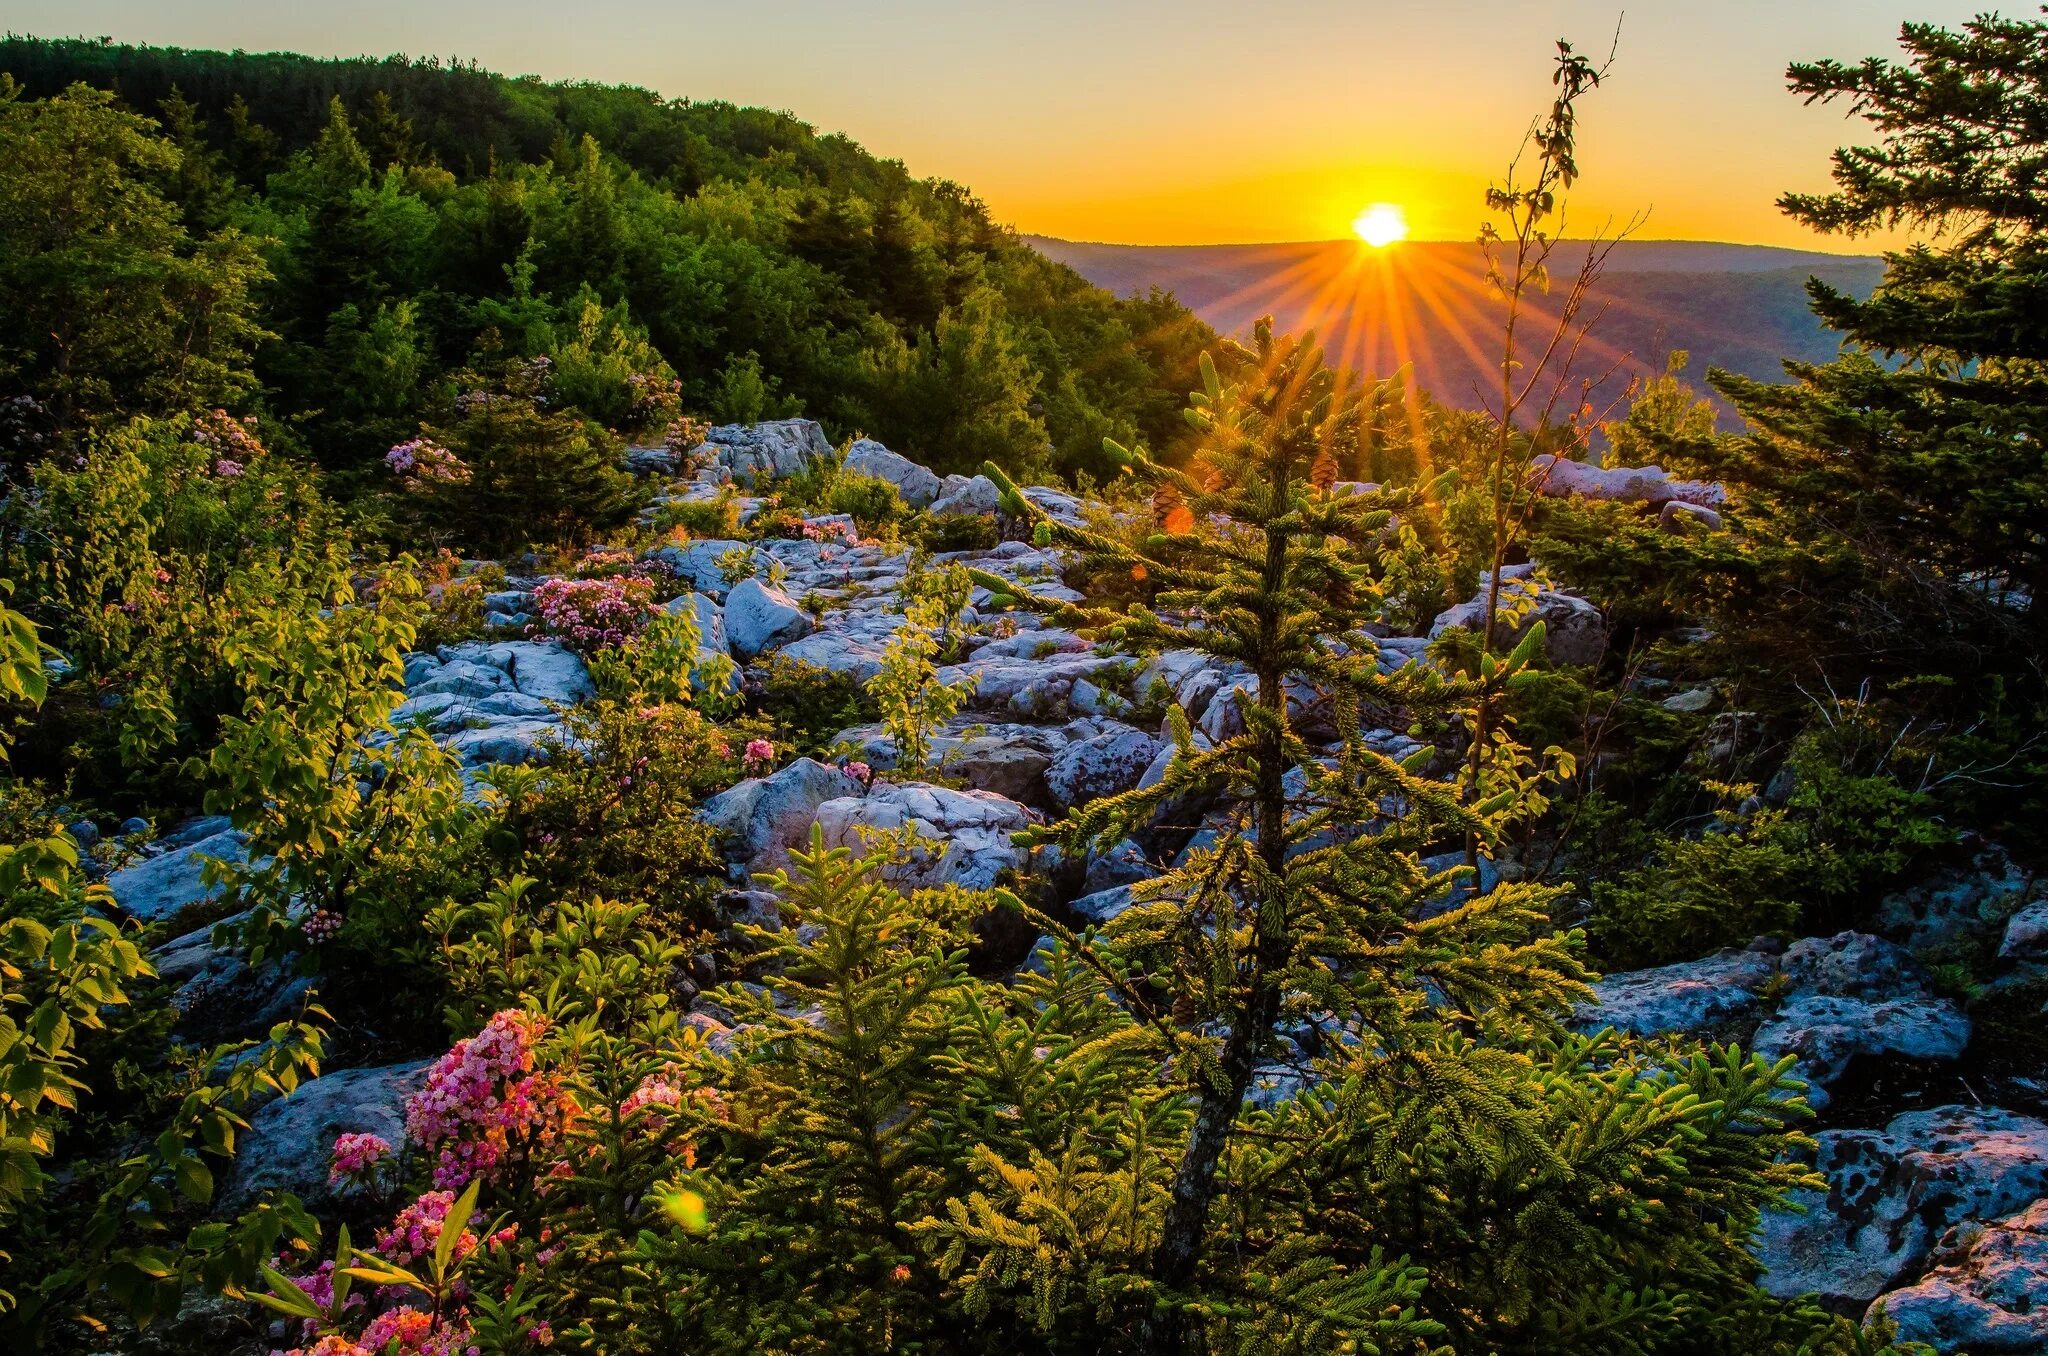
(1310,924)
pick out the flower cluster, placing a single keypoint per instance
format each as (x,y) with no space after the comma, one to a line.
(231,442)
(424,461)
(320,925)
(605,562)
(417,1230)
(654,396)
(685,435)
(356,1158)
(594,614)
(481,1097)
(414,1330)
(830,530)
(759,757)
(859,771)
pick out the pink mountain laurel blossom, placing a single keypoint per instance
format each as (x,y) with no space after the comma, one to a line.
(483,1099)
(422,461)
(358,1159)
(594,614)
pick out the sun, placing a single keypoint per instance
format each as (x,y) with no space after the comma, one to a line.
(1381,224)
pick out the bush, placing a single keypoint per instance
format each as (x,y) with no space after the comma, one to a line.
(873,503)
(955,533)
(712,520)
(809,705)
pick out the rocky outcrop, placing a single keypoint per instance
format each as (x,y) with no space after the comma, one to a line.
(761,818)
(1574,630)
(1105,764)
(967,497)
(1892,1194)
(1830,1000)
(289,1141)
(1561,477)
(1988,1296)
(756,452)
(160,886)
(917,485)
(956,837)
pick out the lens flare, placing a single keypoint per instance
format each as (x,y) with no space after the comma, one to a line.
(1381,224)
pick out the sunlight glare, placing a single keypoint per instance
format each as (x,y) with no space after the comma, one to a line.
(1381,224)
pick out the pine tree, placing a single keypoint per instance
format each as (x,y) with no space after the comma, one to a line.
(1309,903)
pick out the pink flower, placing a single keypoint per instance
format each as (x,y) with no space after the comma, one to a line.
(859,771)
(482,1098)
(320,925)
(594,614)
(759,755)
(356,1157)
(422,460)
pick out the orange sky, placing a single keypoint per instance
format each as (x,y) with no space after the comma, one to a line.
(1189,121)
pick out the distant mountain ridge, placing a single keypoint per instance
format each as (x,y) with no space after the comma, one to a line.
(1424,304)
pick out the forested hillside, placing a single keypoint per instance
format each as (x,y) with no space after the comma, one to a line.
(520,832)
(395,222)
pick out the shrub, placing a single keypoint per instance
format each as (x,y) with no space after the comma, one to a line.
(955,533)
(809,705)
(874,504)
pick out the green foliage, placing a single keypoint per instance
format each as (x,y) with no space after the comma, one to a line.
(84,220)
(914,703)
(809,705)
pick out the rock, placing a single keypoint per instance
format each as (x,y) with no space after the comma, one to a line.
(1104,765)
(1991,1297)
(759,618)
(1104,905)
(1690,702)
(712,645)
(1560,477)
(132,826)
(1853,995)
(1121,863)
(289,1141)
(650,461)
(1009,760)
(967,497)
(1843,997)
(219,996)
(544,670)
(1574,630)
(700,565)
(965,835)
(506,742)
(1893,1193)
(762,817)
(162,885)
(1678,516)
(83,832)
(917,485)
(1061,507)
(768,451)
(2026,934)
(1958,908)
(1036,689)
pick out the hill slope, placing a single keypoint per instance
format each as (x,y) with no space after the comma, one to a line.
(1739,307)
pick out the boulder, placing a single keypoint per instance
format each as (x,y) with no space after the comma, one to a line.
(762,817)
(962,837)
(1989,1296)
(162,885)
(1856,995)
(1679,516)
(700,565)
(1560,477)
(1959,907)
(1840,997)
(2026,934)
(967,497)
(1058,505)
(917,485)
(219,995)
(759,618)
(712,644)
(1892,1194)
(289,1141)
(768,451)
(1104,905)
(1104,765)
(544,670)
(1009,760)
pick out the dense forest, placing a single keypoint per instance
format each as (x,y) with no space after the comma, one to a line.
(626,730)
(393,224)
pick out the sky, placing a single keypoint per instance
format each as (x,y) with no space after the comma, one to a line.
(1181,122)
